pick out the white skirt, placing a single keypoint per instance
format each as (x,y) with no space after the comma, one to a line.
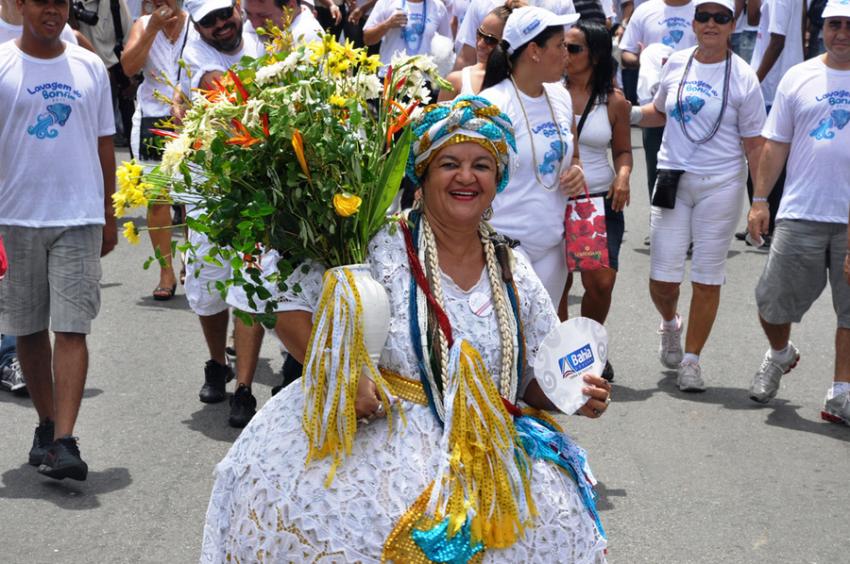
(267,506)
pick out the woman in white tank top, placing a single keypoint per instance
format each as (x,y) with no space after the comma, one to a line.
(468,80)
(590,74)
(155,46)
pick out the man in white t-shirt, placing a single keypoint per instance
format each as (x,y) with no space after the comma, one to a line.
(405,26)
(778,47)
(467,33)
(668,22)
(11,24)
(809,126)
(220,42)
(57,176)
(779,41)
(248,339)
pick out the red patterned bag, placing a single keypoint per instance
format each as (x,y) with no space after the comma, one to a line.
(4,263)
(586,234)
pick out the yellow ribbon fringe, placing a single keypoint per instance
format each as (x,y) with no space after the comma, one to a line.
(485,475)
(335,360)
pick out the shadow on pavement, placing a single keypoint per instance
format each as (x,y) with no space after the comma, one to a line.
(23,399)
(25,483)
(211,421)
(265,375)
(783,413)
(604,493)
(177,302)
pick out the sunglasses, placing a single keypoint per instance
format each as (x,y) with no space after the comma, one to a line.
(719,18)
(574,48)
(222,14)
(488,39)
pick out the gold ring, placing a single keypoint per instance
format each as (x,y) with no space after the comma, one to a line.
(607,400)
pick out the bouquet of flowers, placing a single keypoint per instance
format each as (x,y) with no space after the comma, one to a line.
(301,151)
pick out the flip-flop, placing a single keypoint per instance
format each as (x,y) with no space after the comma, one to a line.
(164,293)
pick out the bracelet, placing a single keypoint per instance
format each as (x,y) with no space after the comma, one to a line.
(759,199)
(578,167)
(635,115)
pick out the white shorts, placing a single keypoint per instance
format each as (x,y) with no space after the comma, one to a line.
(551,267)
(201,277)
(707,212)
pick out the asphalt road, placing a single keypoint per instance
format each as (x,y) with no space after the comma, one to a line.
(707,478)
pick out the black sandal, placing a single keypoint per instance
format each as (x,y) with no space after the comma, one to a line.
(164,293)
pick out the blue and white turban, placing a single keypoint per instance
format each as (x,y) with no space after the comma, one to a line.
(464,119)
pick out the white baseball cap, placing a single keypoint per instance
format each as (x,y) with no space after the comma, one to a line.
(199,8)
(526,23)
(836,9)
(728,4)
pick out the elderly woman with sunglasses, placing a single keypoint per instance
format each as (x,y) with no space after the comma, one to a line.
(468,80)
(712,100)
(523,79)
(437,474)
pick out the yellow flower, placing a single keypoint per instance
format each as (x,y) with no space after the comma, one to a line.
(128,175)
(119,202)
(131,233)
(369,63)
(337,101)
(136,197)
(346,205)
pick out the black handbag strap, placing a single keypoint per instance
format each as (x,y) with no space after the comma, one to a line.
(585,113)
(115,8)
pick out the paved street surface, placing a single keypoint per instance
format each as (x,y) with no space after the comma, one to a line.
(707,478)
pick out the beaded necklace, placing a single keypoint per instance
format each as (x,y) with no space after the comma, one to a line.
(430,327)
(554,185)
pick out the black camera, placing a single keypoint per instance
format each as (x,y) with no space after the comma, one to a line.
(88,17)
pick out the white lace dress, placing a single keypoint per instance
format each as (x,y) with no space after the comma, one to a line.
(266,506)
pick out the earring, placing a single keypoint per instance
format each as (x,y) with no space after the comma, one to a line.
(535,59)
(488,214)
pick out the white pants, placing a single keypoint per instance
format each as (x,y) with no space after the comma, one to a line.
(551,267)
(201,276)
(707,212)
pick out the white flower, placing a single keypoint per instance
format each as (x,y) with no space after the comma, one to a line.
(295,58)
(174,153)
(269,72)
(369,86)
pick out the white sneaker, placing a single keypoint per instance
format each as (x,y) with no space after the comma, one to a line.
(11,377)
(836,409)
(670,350)
(766,381)
(690,378)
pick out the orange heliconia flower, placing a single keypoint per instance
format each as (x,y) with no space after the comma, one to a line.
(239,86)
(243,137)
(298,146)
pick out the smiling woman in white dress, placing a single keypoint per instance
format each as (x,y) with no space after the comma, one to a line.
(268,505)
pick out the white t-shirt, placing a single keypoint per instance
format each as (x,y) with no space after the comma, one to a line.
(702,99)
(478,10)
(305,28)
(656,22)
(811,111)
(163,57)
(415,38)
(525,210)
(54,112)
(9,31)
(783,17)
(202,57)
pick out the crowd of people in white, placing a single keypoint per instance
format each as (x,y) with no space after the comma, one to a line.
(733,97)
